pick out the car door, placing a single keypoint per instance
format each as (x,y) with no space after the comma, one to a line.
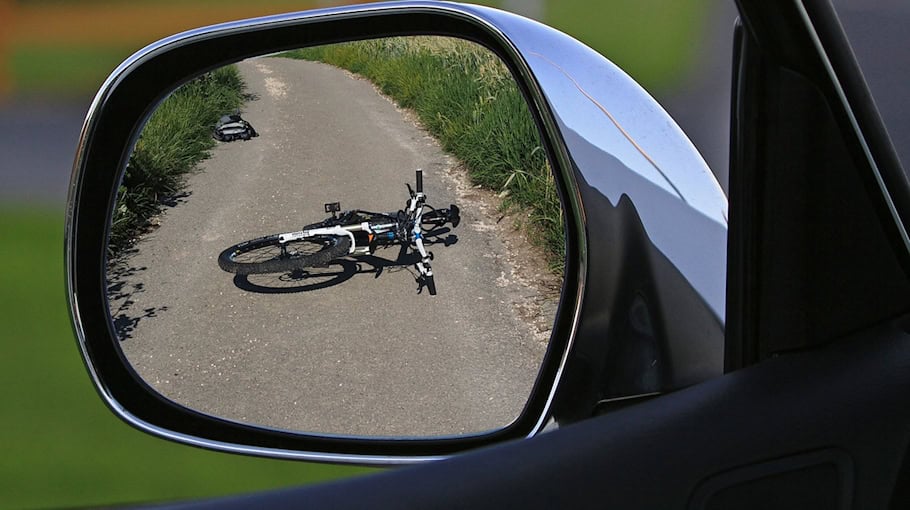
(812,410)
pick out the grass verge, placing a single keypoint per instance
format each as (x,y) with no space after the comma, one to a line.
(465,97)
(174,140)
(61,446)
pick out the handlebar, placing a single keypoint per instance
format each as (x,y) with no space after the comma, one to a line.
(420,181)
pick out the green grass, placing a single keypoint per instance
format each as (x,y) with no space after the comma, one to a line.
(176,138)
(63,71)
(61,446)
(466,98)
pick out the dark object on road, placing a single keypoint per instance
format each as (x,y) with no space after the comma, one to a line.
(233,127)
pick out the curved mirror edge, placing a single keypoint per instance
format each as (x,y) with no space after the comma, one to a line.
(186,243)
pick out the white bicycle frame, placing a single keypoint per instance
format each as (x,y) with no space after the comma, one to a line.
(416,203)
(415,208)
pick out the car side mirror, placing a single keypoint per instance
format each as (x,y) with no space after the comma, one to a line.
(636,304)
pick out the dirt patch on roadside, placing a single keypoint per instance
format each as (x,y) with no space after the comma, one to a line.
(533,287)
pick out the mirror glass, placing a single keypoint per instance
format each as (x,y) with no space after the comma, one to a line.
(359,239)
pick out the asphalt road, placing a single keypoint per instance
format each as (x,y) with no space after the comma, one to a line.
(360,353)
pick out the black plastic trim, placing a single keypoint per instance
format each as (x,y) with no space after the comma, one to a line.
(793,494)
(816,247)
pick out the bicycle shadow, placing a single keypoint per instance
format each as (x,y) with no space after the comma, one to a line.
(341,270)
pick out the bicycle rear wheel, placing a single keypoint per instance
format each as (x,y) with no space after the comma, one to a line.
(266,255)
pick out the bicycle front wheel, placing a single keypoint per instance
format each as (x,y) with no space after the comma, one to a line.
(266,255)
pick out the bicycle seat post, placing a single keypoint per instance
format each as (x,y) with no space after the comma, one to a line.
(333,207)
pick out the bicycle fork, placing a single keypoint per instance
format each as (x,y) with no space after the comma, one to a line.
(425,257)
(415,206)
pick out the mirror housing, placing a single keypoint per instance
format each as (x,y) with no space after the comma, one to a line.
(642,307)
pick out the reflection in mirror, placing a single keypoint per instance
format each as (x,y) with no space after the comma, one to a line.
(359,239)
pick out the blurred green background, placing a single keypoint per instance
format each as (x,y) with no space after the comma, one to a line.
(60,445)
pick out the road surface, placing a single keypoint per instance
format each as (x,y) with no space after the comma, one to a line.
(363,353)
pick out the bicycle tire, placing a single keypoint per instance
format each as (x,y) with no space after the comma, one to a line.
(264,255)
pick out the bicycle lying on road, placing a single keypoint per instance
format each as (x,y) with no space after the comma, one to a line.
(348,233)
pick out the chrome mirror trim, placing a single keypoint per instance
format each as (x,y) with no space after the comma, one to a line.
(588,107)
